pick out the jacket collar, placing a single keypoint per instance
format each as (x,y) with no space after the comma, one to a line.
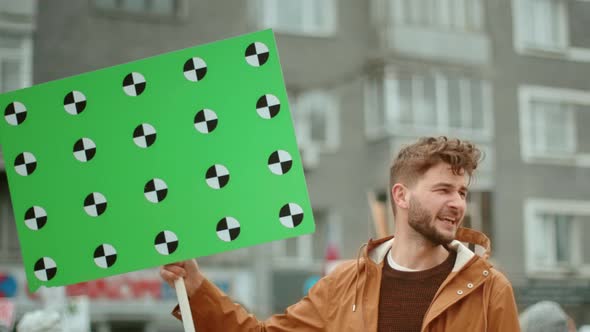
(377,249)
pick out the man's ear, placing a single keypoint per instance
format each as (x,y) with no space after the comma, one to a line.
(400,196)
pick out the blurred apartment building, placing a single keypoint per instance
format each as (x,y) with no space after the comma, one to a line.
(364,78)
(17,27)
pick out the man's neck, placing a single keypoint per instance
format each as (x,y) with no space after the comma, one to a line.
(416,253)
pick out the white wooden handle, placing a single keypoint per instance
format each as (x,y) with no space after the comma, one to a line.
(185,309)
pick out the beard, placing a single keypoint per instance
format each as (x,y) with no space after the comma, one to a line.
(422,221)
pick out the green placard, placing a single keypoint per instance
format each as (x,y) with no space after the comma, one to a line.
(176,156)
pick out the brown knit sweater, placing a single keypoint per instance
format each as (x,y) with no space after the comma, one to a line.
(405,296)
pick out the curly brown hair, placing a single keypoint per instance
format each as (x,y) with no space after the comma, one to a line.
(415,159)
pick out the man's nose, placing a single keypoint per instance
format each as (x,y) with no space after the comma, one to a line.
(457,202)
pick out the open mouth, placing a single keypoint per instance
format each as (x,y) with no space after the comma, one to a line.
(449,221)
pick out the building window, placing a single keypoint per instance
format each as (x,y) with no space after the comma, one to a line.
(374,105)
(15,63)
(551,121)
(305,17)
(11,74)
(9,245)
(147,8)
(407,103)
(541,25)
(453,15)
(552,128)
(433,29)
(555,231)
(554,237)
(317,121)
(15,73)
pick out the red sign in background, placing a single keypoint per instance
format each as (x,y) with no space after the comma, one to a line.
(117,288)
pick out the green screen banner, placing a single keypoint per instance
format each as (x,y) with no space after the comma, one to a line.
(168,158)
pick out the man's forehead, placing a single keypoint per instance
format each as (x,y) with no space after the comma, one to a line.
(443,173)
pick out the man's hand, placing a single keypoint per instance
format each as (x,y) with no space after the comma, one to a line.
(189,270)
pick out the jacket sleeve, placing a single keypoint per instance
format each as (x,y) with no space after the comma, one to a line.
(502,311)
(213,310)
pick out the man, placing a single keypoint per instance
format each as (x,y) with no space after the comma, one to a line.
(423,279)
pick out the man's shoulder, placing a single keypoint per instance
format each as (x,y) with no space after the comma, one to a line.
(499,278)
(496,281)
(480,267)
(343,267)
(346,270)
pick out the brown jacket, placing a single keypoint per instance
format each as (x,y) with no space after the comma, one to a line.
(474,297)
